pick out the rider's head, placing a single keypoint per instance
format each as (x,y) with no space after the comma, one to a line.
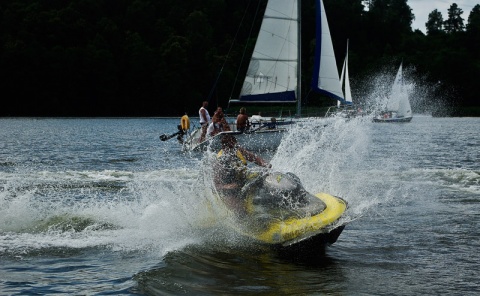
(228,141)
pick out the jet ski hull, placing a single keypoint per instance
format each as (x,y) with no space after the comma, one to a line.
(320,229)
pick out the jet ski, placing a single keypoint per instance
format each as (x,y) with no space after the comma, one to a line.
(277,211)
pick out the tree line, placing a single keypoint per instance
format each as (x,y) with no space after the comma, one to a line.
(163,58)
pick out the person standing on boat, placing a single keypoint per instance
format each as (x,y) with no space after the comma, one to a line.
(204,120)
(230,170)
(242,120)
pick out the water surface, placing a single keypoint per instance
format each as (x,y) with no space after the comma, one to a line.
(102,206)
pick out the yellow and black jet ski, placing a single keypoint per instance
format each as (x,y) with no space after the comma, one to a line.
(277,211)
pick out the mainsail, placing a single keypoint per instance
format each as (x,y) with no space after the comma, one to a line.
(399,94)
(345,81)
(272,74)
(325,76)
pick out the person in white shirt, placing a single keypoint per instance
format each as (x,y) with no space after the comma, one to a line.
(204,120)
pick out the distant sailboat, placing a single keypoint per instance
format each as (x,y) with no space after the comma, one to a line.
(398,105)
(347,109)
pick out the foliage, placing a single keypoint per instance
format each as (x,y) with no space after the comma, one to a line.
(434,24)
(163,58)
(454,23)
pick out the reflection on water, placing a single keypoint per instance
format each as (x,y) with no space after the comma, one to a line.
(195,271)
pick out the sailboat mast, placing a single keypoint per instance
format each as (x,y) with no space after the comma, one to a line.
(299,66)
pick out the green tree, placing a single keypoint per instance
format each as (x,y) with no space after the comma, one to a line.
(173,75)
(140,17)
(388,26)
(139,68)
(473,34)
(435,22)
(474,19)
(345,17)
(145,57)
(454,23)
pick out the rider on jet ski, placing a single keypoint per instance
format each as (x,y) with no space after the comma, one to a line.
(273,207)
(260,193)
(230,169)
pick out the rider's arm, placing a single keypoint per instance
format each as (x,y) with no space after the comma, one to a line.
(255,158)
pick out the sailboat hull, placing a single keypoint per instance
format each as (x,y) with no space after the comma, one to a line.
(256,141)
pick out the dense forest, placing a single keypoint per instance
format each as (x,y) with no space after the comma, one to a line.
(163,58)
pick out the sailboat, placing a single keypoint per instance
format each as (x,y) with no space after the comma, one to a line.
(346,110)
(274,71)
(398,105)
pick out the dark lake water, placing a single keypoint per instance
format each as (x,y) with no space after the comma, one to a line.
(103,207)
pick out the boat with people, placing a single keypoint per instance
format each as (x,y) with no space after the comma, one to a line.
(263,134)
(274,74)
(397,107)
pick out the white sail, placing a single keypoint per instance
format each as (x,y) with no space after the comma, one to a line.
(348,90)
(325,76)
(341,78)
(399,101)
(345,81)
(272,73)
(404,109)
